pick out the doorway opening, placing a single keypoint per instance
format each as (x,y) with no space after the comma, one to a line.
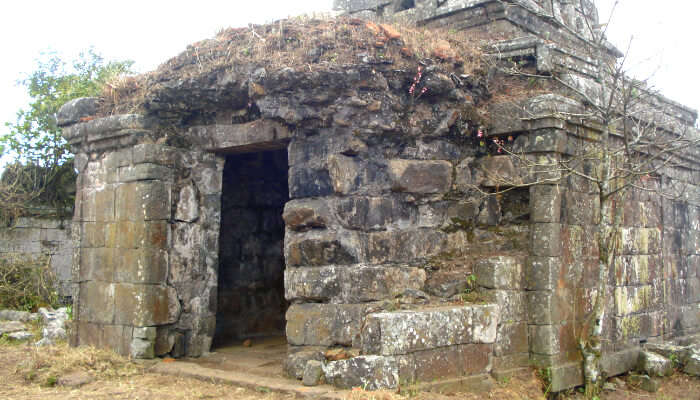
(250,303)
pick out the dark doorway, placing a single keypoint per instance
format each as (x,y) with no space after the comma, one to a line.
(251,282)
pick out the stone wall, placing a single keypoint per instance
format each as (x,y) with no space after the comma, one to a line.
(43,240)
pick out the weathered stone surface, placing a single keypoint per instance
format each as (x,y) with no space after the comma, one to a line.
(351,284)
(644,382)
(421,177)
(321,248)
(368,372)
(654,364)
(75,379)
(446,283)
(188,204)
(499,273)
(294,364)
(20,336)
(691,362)
(14,315)
(143,201)
(324,324)
(445,362)
(371,213)
(497,171)
(313,373)
(76,109)
(405,245)
(145,305)
(11,326)
(402,332)
(302,215)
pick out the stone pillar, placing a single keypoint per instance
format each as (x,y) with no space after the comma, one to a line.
(122,236)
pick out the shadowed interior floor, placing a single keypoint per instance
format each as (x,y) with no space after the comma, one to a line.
(263,357)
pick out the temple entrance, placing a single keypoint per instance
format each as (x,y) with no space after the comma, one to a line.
(251,302)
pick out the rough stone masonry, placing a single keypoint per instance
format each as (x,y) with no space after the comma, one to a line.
(334,204)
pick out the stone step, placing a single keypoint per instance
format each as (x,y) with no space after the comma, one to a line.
(420,345)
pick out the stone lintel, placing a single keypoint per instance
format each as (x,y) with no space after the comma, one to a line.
(252,136)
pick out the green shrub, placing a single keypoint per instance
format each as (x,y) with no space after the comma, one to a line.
(27,283)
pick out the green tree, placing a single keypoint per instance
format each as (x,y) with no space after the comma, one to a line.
(35,138)
(39,173)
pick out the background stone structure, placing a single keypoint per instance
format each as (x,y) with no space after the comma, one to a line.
(38,239)
(384,233)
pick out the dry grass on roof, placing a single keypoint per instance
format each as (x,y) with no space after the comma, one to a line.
(307,43)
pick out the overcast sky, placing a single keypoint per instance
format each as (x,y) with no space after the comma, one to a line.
(150,32)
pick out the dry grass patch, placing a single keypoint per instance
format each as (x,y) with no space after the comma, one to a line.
(304,43)
(44,365)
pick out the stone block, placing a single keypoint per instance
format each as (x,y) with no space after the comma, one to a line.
(294,364)
(497,171)
(145,265)
(544,339)
(98,264)
(545,239)
(446,284)
(76,109)
(692,242)
(306,182)
(145,172)
(98,205)
(135,235)
(97,302)
(145,305)
(691,363)
(402,332)
(505,364)
(404,246)
(620,362)
(371,213)
(421,177)
(143,201)
(485,319)
(321,248)
(188,204)
(352,6)
(154,153)
(367,372)
(142,347)
(303,215)
(512,304)
(464,179)
(445,362)
(545,203)
(500,272)
(654,364)
(511,338)
(324,324)
(542,273)
(565,377)
(93,234)
(313,373)
(546,308)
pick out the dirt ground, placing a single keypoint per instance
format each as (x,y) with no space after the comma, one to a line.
(30,373)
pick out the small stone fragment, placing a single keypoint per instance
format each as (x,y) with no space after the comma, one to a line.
(75,379)
(20,336)
(247,343)
(644,382)
(313,373)
(337,354)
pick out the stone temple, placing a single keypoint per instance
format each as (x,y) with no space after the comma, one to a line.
(343,204)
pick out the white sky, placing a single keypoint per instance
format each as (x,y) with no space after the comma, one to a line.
(150,32)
